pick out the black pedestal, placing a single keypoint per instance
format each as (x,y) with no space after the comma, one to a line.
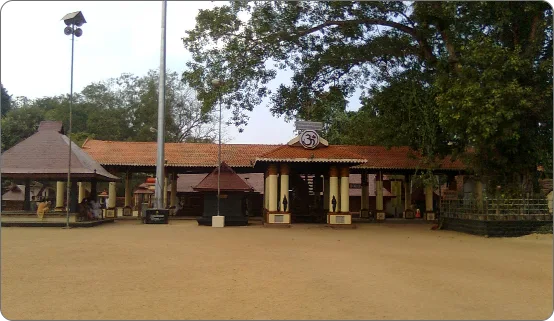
(155,216)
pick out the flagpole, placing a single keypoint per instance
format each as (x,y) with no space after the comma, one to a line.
(160,175)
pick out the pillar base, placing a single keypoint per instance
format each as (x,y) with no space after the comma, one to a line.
(340,218)
(59,209)
(110,213)
(218,221)
(430,216)
(380,216)
(276,217)
(127,211)
(409,214)
(364,213)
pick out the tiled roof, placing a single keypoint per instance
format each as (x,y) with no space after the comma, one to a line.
(332,154)
(379,157)
(176,154)
(245,155)
(46,153)
(229,181)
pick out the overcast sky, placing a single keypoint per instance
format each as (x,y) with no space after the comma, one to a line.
(119,37)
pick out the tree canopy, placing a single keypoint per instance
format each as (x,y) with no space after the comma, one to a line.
(123,108)
(441,77)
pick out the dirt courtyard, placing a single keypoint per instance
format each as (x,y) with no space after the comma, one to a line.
(127,270)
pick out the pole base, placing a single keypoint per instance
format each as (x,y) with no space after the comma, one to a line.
(218,221)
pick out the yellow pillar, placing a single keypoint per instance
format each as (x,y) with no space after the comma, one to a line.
(326,193)
(285,187)
(128,191)
(111,195)
(173,199)
(333,188)
(60,192)
(429,198)
(344,190)
(81,191)
(272,193)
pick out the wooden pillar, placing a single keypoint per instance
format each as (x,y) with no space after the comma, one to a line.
(379,196)
(128,191)
(285,170)
(272,193)
(365,195)
(266,190)
(93,192)
(60,192)
(333,189)
(111,195)
(407,194)
(27,200)
(74,196)
(344,190)
(173,198)
(165,189)
(326,200)
(479,193)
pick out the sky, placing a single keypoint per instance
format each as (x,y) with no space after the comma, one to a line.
(119,37)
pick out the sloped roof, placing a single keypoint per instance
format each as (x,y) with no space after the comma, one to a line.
(379,157)
(229,181)
(331,154)
(245,155)
(187,182)
(51,125)
(176,154)
(45,154)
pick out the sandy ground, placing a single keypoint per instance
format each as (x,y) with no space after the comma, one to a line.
(126,270)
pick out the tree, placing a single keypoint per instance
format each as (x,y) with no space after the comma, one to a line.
(441,77)
(123,108)
(6,101)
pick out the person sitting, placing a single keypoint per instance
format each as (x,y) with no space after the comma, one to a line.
(84,209)
(43,207)
(95,209)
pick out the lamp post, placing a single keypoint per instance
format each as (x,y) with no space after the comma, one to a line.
(71,20)
(217,84)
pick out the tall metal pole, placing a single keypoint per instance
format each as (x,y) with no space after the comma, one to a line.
(219,158)
(161,118)
(69,131)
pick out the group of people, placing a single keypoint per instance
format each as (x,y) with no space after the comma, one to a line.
(90,209)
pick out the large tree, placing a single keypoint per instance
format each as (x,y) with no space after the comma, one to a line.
(442,77)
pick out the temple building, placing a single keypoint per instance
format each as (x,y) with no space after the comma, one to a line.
(305,180)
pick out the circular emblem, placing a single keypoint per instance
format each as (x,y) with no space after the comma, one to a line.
(309,139)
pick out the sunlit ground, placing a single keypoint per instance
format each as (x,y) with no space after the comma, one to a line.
(126,270)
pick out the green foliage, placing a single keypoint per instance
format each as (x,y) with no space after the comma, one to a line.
(440,77)
(123,108)
(6,103)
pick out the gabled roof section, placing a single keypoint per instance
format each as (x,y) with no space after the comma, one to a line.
(56,126)
(45,155)
(229,181)
(330,154)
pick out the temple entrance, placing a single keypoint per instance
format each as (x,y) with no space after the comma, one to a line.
(306,204)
